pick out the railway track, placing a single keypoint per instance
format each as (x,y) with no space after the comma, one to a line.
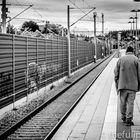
(42,123)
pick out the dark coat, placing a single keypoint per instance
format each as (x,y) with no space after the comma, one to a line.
(127,72)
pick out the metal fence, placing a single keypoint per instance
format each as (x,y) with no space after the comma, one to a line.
(27,64)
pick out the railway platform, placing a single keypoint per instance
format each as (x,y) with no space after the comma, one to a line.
(97,116)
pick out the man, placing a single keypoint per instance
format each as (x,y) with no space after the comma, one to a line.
(127,80)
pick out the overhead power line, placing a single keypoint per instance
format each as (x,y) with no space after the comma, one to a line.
(20,13)
(37,12)
(82,17)
(79,7)
(21,5)
(86,3)
(39,20)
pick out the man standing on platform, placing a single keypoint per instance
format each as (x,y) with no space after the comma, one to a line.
(127,80)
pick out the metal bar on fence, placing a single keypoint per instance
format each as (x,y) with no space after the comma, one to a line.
(13,54)
(62,54)
(45,58)
(36,50)
(58,75)
(51,62)
(27,79)
(63,58)
(77,60)
(37,82)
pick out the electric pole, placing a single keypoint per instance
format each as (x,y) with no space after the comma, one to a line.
(4,9)
(94,16)
(68,37)
(68,34)
(102,24)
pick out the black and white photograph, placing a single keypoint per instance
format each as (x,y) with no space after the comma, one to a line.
(70,70)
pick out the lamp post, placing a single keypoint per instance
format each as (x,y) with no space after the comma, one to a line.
(133,18)
(136,11)
(131,26)
(133,30)
(119,39)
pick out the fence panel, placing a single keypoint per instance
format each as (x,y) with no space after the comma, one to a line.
(31,63)
(6,65)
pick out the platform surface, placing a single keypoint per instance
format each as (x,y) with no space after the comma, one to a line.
(97,116)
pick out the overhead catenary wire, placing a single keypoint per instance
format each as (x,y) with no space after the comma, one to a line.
(37,12)
(33,19)
(82,17)
(32,8)
(17,3)
(77,7)
(20,13)
(89,7)
(86,3)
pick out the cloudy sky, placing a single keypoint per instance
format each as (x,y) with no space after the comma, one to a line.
(116,13)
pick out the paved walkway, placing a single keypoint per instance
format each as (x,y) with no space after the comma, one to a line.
(97,116)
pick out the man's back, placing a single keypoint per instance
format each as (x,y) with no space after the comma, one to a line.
(127,79)
(127,71)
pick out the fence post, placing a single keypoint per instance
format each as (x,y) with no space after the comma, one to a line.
(13,54)
(27,67)
(37,64)
(45,61)
(69,58)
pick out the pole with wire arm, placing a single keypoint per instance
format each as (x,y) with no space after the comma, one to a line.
(68,35)
(137,48)
(4,10)
(102,24)
(136,11)
(82,16)
(94,16)
(79,7)
(20,13)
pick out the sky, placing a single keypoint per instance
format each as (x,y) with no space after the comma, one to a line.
(116,13)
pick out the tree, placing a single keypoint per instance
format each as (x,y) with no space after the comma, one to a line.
(30,26)
(54,28)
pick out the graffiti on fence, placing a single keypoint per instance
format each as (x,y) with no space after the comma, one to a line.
(32,76)
(5,83)
(35,74)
